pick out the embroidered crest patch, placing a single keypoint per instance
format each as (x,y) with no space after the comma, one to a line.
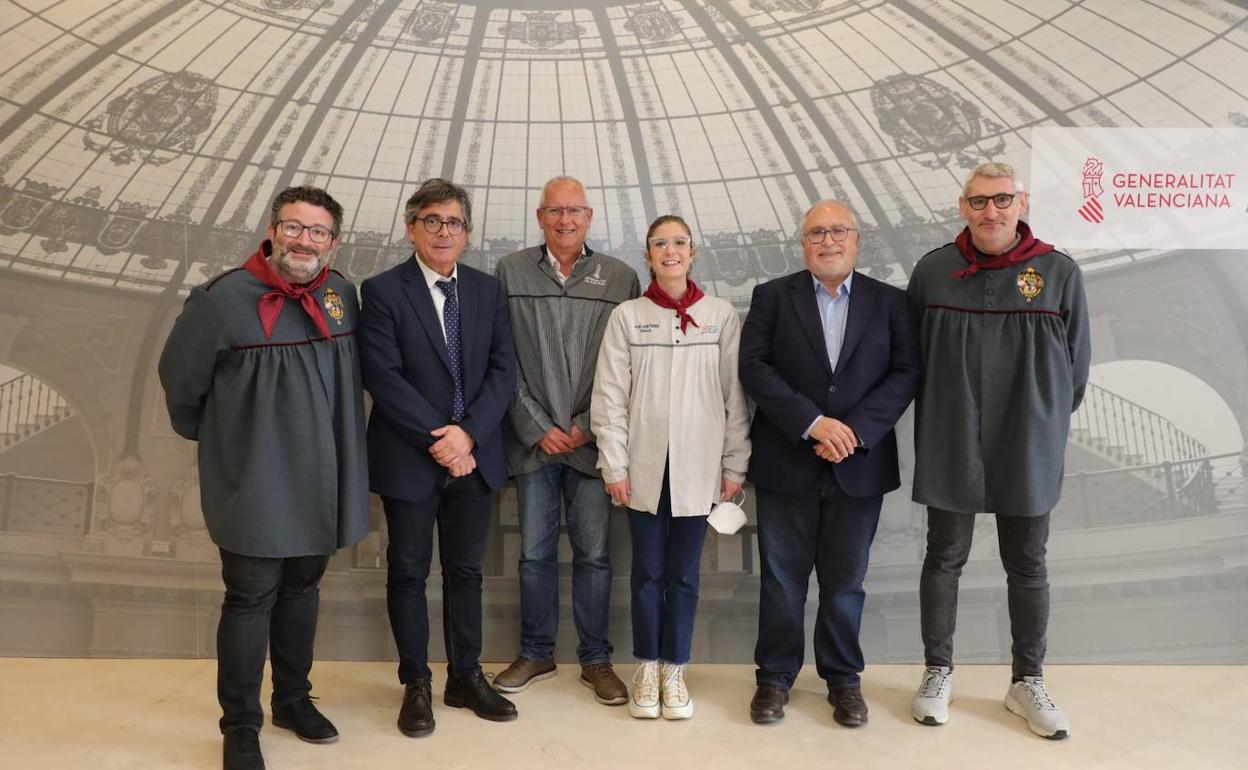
(1030,284)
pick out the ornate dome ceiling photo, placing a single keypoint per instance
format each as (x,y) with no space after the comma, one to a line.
(141,141)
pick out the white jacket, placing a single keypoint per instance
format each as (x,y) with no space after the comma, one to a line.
(657,391)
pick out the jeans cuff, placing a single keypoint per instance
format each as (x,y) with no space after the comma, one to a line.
(595,660)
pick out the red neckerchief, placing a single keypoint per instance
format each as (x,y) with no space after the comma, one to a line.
(271,304)
(1027,247)
(664,300)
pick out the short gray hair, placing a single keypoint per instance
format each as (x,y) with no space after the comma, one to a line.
(992,170)
(438,190)
(561,179)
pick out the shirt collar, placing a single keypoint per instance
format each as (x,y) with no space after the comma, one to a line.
(841,291)
(431,275)
(550,258)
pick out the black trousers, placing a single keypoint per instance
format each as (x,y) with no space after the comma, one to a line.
(461,510)
(1023,543)
(270,605)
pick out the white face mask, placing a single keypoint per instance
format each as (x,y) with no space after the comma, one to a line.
(727,517)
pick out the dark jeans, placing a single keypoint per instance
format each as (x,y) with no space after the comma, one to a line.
(667,551)
(270,604)
(1022,540)
(543,494)
(461,510)
(826,530)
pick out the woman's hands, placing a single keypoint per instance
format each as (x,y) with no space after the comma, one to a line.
(619,492)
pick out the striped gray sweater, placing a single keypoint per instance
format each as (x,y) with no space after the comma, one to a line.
(558,329)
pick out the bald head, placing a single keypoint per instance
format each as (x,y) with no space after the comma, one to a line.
(564,216)
(830,240)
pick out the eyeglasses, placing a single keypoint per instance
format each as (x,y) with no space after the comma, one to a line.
(433,224)
(1000,200)
(837,233)
(556,212)
(293,229)
(679,243)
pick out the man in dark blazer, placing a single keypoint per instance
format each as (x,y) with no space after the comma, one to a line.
(831,358)
(438,359)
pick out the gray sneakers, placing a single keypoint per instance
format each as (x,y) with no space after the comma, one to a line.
(1029,700)
(930,705)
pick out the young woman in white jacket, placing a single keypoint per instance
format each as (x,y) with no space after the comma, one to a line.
(672,427)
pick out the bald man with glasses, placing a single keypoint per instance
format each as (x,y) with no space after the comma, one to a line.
(830,356)
(560,295)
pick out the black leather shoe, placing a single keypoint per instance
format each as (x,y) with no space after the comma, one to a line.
(241,750)
(473,692)
(308,723)
(849,708)
(416,716)
(767,705)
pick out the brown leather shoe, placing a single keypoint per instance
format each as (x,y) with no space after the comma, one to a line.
(767,705)
(523,672)
(849,707)
(608,688)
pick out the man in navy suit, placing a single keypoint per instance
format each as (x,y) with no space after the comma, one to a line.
(438,359)
(831,358)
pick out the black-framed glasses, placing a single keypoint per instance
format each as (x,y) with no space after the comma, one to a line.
(556,212)
(433,224)
(680,243)
(1000,200)
(292,229)
(836,233)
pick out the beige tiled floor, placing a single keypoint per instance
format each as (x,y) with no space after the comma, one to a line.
(98,714)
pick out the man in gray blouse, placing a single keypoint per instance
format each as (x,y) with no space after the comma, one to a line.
(560,294)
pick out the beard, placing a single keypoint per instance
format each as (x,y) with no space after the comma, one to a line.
(298,270)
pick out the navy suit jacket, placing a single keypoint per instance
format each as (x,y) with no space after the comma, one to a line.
(407,370)
(784,368)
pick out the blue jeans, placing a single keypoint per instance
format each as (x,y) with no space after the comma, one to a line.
(666,554)
(1022,541)
(826,530)
(461,509)
(542,495)
(270,605)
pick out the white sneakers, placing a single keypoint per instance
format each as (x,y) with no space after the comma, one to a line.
(1029,700)
(930,704)
(659,688)
(676,701)
(644,703)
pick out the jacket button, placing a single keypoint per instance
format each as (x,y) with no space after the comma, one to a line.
(831,388)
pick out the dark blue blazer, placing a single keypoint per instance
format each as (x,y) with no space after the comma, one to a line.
(784,369)
(406,369)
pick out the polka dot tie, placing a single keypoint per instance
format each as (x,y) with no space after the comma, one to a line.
(450,319)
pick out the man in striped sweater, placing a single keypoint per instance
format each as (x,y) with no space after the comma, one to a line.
(560,294)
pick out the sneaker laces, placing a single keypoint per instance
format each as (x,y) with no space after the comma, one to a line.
(935,683)
(674,684)
(1039,695)
(646,682)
